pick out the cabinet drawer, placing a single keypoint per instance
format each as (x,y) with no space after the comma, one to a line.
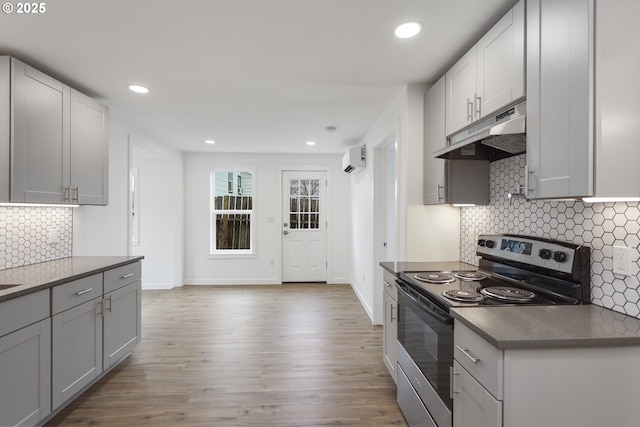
(389,281)
(121,276)
(23,311)
(74,293)
(482,360)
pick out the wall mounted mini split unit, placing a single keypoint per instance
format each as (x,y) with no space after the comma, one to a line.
(355,160)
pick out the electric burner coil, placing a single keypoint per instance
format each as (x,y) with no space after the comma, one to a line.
(437,278)
(508,294)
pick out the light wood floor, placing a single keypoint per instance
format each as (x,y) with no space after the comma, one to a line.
(290,355)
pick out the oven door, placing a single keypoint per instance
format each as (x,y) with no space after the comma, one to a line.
(425,330)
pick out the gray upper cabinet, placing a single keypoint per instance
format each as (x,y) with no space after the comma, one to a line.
(53,140)
(38,147)
(582,108)
(449,181)
(490,75)
(89,154)
(435,139)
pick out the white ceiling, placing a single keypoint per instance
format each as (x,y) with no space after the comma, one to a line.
(255,75)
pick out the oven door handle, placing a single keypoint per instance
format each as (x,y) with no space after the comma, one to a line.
(447,320)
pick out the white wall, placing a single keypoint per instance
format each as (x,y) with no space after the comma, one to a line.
(266,266)
(104,230)
(423,233)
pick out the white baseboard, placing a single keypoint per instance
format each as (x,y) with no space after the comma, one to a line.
(366,307)
(157,286)
(219,282)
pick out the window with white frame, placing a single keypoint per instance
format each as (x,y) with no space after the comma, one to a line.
(231,227)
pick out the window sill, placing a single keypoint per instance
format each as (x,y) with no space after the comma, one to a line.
(244,255)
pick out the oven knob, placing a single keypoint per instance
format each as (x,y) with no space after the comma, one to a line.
(559,256)
(544,254)
(490,244)
(481,242)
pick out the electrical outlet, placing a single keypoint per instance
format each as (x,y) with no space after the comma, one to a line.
(53,236)
(622,260)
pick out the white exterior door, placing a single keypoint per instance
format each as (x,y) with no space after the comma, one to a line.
(304,234)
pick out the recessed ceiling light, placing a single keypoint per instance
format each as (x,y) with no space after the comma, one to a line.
(311,143)
(407,30)
(209,141)
(138,89)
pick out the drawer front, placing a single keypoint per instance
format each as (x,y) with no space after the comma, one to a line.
(482,360)
(389,281)
(23,311)
(70,294)
(121,276)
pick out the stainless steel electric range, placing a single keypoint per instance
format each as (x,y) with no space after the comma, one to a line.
(513,269)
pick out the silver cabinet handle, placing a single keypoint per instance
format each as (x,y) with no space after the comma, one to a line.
(440,187)
(452,382)
(126,275)
(392,307)
(66,194)
(478,105)
(74,194)
(105,305)
(527,180)
(285,232)
(468,353)
(84,291)
(386,284)
(469,110)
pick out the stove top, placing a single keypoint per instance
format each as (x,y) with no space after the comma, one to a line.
(472,288)
(512,269)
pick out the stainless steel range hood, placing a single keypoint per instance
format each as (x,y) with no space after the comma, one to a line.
(497,137)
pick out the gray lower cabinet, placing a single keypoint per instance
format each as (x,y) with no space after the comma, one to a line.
(121,322)
(390,325)
(474,405)
(77,350)
(25,375)
(25,359)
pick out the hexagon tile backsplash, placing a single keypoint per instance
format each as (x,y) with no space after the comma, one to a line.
(599,225)
(24,235)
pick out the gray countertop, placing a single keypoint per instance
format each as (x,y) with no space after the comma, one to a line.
(31,278)
(397,267)
(516,327)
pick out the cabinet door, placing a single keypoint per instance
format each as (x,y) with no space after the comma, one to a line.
(39,145)
(121,322)
(89,151)
(25,375)
(500,56)
(559,98)
(77,350)
(435,139)
(390,336)
(461,90)
(473,406)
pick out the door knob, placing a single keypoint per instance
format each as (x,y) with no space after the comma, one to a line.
(285,232)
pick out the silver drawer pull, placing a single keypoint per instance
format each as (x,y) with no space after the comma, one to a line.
(84,291)
(386,284)
(468,353)
(126,275)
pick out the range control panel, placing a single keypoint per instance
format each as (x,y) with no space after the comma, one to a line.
(558,256)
